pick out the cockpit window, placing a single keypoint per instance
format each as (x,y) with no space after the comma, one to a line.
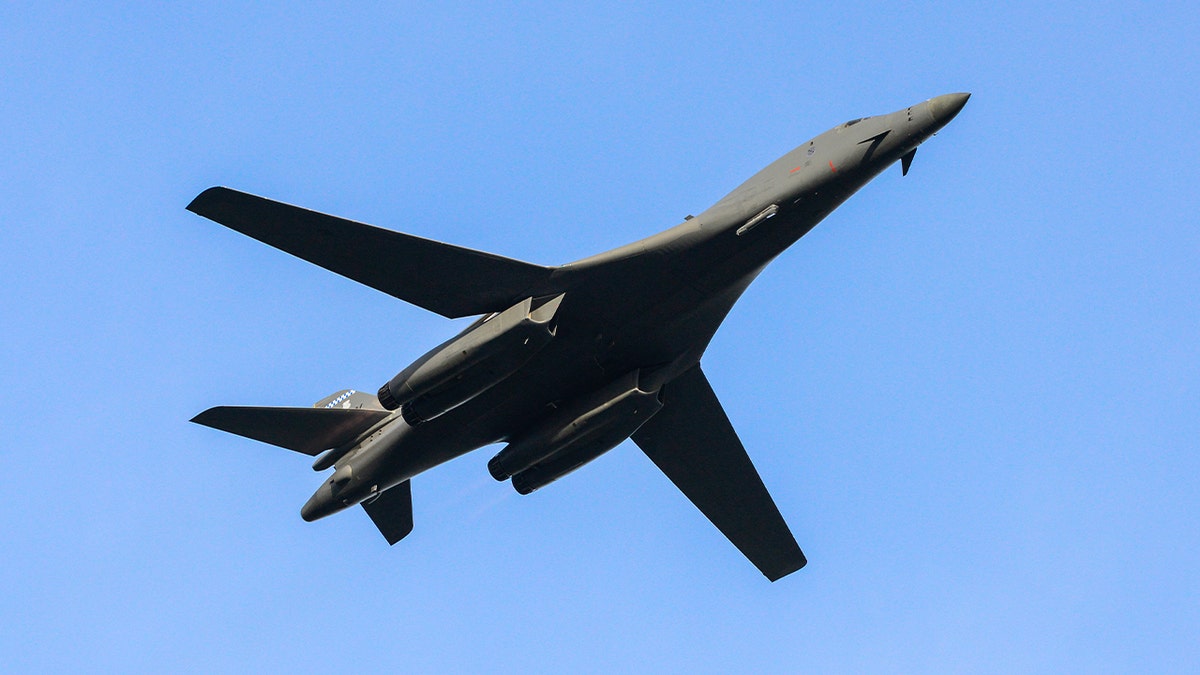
(853,122)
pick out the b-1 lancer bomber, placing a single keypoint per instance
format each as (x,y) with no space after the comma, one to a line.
(564,363)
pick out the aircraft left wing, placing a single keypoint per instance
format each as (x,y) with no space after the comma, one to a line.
(450,280)
(692,441)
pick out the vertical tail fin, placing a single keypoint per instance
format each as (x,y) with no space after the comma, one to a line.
(349,399)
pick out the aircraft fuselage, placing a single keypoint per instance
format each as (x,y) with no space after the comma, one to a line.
(674,290)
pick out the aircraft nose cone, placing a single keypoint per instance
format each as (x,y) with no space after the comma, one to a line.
(944,108)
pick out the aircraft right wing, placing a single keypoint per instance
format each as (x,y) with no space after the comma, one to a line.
(450,280)
(693,443)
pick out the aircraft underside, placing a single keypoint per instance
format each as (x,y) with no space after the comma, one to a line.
(565,362)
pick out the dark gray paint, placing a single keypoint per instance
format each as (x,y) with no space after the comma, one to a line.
(643,312)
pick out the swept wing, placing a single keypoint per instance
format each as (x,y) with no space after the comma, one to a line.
(693,443)
(450,280)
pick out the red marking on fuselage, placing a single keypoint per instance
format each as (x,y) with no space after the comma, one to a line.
(796,169)
(831,166)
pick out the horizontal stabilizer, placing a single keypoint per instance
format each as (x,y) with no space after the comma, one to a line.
(307,430)
(450,280)
(391,512)
(693,443)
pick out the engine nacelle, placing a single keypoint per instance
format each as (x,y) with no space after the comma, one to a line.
(472,362)
(580,431)
(539,476)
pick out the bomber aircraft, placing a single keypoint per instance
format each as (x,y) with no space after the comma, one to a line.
(565,363)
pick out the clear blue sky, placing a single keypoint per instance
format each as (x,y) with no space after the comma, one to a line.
(973,391)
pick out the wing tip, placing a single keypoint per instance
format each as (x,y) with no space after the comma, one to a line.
(200,202)
(793,566)
(203,418)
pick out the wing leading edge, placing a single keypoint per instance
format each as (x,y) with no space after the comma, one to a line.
(693,443)
(450,280)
